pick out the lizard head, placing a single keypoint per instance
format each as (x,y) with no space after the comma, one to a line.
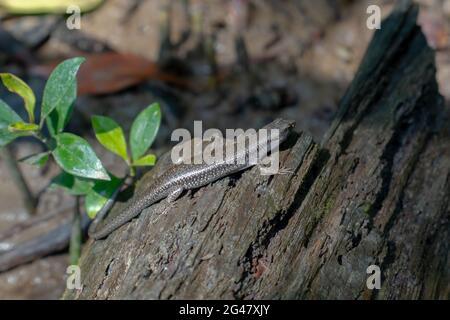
(285,127)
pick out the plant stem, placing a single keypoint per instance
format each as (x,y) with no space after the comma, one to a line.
(28,199)
(132,172)
(76,235)
(49,143)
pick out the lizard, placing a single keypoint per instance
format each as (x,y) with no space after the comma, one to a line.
(181,177)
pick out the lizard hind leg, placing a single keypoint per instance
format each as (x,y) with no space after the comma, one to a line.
(174,194)
(171,198)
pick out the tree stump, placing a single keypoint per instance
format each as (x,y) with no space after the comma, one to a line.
(375,192)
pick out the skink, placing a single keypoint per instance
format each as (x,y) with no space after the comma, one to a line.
(181,177)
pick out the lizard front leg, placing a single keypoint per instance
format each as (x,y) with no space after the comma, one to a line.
(266,170)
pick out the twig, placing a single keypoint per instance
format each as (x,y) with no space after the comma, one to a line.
(76,235)
(107,206)
(28,199)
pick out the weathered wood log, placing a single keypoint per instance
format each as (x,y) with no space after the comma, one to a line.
(38,237)
(377,191)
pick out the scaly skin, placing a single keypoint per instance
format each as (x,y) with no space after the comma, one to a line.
(179,178)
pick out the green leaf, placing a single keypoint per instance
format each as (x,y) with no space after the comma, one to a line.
(75,155)
(110,135)
(59,95)
(99,195)
(148,160)
(18,86)
(73,185)
(7,116)
(39,159)
(22,127)
(144,130)
(7,137)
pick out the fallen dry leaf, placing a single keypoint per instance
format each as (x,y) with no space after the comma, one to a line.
(105,73)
